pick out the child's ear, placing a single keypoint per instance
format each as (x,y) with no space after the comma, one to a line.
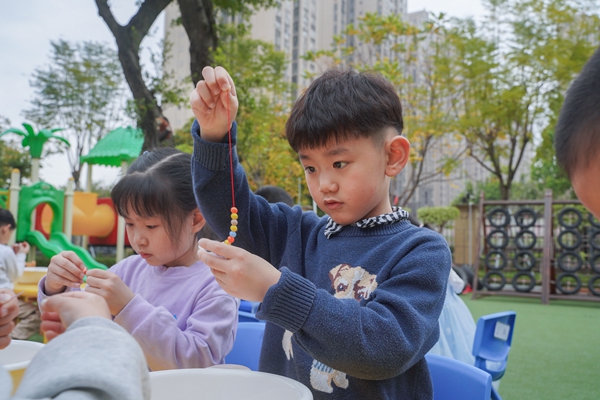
(398,153)
(198,221)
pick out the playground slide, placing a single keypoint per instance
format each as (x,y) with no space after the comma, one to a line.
(59,242)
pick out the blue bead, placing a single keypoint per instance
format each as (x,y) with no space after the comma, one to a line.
(232,234)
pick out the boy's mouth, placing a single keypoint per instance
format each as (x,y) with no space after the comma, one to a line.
(332,204)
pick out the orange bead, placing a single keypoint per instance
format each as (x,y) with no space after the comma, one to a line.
(234,210)
(230,239)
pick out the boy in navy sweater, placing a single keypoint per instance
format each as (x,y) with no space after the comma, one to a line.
(577,135)
(352,299)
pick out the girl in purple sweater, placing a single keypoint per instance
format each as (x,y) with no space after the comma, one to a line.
(164,296)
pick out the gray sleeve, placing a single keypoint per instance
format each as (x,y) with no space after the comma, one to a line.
(94,359)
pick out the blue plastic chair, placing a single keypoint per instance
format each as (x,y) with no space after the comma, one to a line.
(456,380)
(244,316)
(493,338)
(249,306)
(246,348)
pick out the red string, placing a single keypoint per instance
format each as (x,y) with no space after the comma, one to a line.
(230,148)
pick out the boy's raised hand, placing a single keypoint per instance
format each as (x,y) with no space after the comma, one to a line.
(62,310)
(65,270)
(239,272)
(109,286)
(214,103)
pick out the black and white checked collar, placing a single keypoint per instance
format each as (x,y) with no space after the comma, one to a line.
(397,214)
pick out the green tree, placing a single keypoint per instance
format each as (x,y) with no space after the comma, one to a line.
(198,19)
(12,156)
(512,72)
(437,216)
(80,91)
(416,60)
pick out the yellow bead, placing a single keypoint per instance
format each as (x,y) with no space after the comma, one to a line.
(226,241)
(234,216)
(233,228)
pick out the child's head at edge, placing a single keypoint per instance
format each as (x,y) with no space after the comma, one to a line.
(577,135)
(159,184)
(7,225)
(343,107)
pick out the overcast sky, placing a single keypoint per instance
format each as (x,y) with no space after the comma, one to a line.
(28,26)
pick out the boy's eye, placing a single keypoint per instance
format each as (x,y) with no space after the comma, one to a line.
(310,170)
(339,164)
(150,226)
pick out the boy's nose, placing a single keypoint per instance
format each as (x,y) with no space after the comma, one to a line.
(327,185)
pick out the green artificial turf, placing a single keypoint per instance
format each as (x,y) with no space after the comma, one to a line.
(555,350)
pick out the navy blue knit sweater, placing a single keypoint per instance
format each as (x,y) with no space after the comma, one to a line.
(352,316)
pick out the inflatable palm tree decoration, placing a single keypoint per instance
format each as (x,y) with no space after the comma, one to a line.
(36,142)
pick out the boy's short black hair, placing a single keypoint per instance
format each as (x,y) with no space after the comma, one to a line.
(343,104)
(6,218)
(158,183)
(577,135)
(275,194)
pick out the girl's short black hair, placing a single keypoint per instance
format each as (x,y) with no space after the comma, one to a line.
(343,104)
(158,183)
(6,218)
(577,134)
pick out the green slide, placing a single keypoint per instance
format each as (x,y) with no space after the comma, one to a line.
(59,242)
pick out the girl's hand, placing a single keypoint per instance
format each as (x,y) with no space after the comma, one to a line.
(62,310)
(214,103)
(65,269)
(109,286)
(238,272)
(22,247)
(9,309)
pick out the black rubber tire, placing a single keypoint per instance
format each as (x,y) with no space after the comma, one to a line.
(562,263)
(577,242)
(595,266)
(526,288)
(559,285)
(595,243)
(519,216)
(519,265)
(593,221)
(564,211)
(494,232)
(504,212)
(497,287)
(525,246)
(591,287)
(489,262)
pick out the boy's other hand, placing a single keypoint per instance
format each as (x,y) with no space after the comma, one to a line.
(240,273)
(109,286)
(9,309)
(65,269)
(62,310)
(214,103)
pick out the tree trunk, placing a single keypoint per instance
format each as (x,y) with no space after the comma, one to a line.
(129,38)
(199,22)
